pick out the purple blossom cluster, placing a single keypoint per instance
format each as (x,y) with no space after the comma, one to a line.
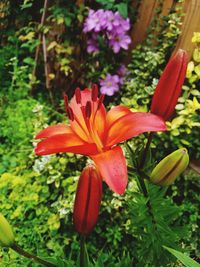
(111,25)
(111,84)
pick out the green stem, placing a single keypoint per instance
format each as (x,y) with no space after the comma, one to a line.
(146,195)
(26,254)
(82,251)
(145,152)
(141,179)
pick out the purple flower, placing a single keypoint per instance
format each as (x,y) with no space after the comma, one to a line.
(110,84)
(92,44)
(117,42)
(111,25)
(121,72)
(95,21)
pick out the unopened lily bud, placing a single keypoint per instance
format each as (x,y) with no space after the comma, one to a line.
(88,200)
(169,86)
(6,233)
(170,167)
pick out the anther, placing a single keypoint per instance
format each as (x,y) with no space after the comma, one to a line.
(94,92)
(66,101)
(70,113)
(88,109)
(101,99)
(78,95)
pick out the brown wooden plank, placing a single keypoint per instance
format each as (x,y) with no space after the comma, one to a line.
(145,16)
(191,24)
(166,7)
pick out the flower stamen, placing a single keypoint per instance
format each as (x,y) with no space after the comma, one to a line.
(101,99)
(78,95)
(70,113)
(88,109)
(94,92)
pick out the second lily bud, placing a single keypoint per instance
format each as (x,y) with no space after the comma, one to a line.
(88,200)
(169,168)
(6,234)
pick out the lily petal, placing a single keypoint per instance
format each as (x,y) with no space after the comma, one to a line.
(54,130)
(132,125)
(115,113)
(112,167)
(65,143)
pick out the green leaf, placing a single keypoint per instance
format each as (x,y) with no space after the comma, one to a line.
(196,55)
(195,92)
(123,9)
(197,70)
(86,261)
(57,261)
(187,261)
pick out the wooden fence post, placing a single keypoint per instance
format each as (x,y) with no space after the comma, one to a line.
(146,14)
(191,24)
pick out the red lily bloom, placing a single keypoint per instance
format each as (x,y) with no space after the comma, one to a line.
(169,86)
(94,133)
(88,200)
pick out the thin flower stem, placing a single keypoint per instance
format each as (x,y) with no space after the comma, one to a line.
(82,251)
(141,178)
(145,152)
(146,195)
(26,254)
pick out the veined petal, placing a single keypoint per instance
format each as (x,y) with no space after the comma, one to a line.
(54,130)
(132,125)
(65,143)
(115,113)
(112,167)
(78,125)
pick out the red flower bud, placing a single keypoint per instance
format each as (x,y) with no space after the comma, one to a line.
(88,200)
(169,86)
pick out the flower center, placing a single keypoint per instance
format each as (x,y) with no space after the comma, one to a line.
(89,112)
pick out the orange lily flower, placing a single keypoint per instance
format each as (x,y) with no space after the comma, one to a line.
(95,133)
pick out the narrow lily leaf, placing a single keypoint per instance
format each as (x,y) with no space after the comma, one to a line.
(86,262)
(186,260)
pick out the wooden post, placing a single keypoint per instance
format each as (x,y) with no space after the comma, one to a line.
(191,24)
(145,16)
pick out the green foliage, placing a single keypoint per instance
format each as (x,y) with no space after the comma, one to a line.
(153,232)
(141,83)
(187,261)
(121,7)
